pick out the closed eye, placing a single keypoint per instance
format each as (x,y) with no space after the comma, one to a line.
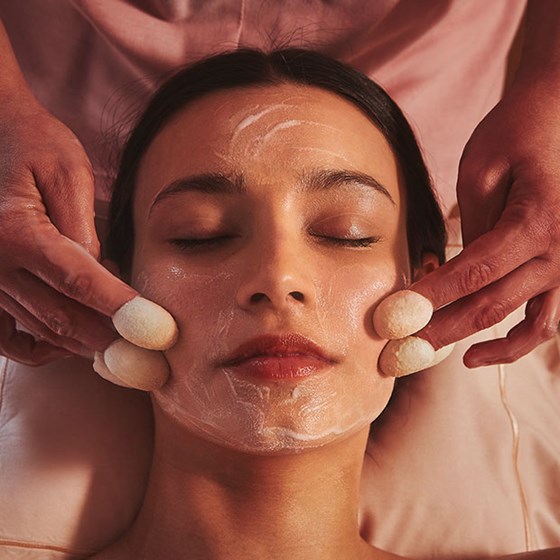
(192,243)
(213,242)
(349,242)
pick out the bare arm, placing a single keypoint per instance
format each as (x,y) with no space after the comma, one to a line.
(50,280)
(510,170)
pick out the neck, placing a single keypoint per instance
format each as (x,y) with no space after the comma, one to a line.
(207,502)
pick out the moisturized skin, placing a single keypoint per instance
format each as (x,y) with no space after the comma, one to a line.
(275,262)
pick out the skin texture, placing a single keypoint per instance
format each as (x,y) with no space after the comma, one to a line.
(279,244)
(214,462)
(509,167)
(266,505)
(47,233)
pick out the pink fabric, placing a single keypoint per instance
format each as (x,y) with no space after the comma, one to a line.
(74,458)
(444,472)
(440,475)
(443,60)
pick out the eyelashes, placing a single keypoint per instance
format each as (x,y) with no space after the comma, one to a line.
(186,244)
(349,242)
(191,243)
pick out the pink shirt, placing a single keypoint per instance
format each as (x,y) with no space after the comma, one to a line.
(446,473)
(442,60)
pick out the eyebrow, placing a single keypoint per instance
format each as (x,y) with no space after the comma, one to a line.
(310,181)
(325,179)
(208,183)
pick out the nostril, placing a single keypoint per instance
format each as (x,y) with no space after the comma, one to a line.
(259,296)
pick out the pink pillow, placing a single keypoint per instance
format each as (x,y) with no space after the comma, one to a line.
(74,457)
(444,473)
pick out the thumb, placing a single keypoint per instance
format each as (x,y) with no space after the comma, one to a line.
(68,195)
(482,191)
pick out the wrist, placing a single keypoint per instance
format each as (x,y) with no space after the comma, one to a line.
(12,81)
(539,60)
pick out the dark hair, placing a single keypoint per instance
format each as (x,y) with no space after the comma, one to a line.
(251,67)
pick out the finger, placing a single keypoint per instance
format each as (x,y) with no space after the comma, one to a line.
(540,324)
(486,260)
(68,195)
(513,242)
(21,347)
(66,267)
(63,316)
(488,306)
(29,322)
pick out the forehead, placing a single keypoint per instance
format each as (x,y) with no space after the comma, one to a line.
(276,130)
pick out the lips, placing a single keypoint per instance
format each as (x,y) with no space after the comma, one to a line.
(284,356)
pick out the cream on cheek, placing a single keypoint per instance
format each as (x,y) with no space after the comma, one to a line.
(254,415)
(259,416)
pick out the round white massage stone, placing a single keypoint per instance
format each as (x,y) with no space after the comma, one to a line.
(443,353)
(136,367)
(401,314)
(146,324)
(101,368)
(405,356)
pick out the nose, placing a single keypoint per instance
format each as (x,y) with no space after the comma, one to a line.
(277,276)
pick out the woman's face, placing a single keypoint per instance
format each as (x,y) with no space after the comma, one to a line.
(271,211)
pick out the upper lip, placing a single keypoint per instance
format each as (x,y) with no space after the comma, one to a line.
(290,344)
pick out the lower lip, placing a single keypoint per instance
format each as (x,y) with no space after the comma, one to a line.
(281,367)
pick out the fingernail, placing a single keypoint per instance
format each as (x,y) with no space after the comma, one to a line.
(478,361)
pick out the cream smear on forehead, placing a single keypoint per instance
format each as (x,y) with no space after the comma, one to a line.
(261,128)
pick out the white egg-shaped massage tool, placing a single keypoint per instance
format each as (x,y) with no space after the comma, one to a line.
(136,367)
(402,313)
(100,367)
(146,324)
(405,356)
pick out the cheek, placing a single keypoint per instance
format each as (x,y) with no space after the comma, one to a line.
(350,300)
(349,296)
(200,302)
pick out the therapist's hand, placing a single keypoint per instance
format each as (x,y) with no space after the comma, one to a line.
(509,200)
(50,280)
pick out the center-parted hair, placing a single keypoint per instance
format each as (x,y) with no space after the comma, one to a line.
(253,68)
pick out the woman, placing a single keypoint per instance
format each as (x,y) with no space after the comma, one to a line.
(269,202)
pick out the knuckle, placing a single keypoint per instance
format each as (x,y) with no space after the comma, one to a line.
(62,325)
(549,226)
(477,171)
(543,327)
(478,275)
(78,286)
(512,357)
(67,174)
(547,330)
(516,351)
(490,315)
(81,173)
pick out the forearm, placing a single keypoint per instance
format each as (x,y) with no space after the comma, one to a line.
(12,81)
(540,55)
